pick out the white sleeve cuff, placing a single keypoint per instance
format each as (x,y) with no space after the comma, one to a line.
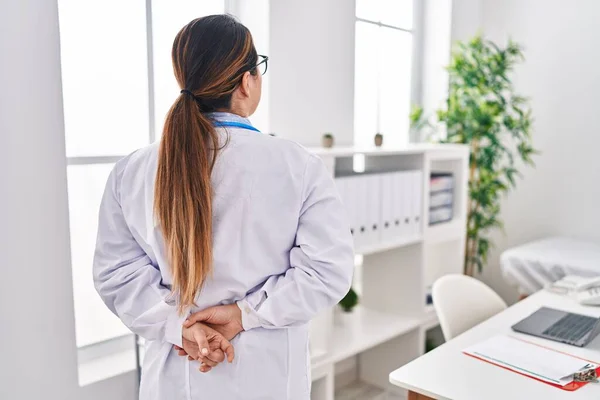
(250,318)
(174,327)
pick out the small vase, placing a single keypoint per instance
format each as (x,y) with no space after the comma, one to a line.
(341,317)
(378,140)
(327,141)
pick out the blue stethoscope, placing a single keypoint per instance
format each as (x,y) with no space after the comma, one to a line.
(232,124)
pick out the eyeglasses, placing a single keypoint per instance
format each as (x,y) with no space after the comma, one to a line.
(262,65)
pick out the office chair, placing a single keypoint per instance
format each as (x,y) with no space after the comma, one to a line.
(461,302)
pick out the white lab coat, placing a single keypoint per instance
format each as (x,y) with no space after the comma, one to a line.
(281,247)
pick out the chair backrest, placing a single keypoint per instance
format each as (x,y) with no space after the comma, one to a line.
(461,302)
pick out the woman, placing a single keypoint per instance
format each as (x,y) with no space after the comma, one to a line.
(219,214)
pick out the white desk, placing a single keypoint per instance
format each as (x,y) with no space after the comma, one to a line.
(446,373)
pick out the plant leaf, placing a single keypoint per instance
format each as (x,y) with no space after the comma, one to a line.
(484,111)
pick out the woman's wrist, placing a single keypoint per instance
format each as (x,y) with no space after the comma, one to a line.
(248,316)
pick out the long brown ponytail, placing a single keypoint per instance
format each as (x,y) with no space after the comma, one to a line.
(210,55)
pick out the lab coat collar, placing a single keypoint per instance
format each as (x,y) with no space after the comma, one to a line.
(228,117)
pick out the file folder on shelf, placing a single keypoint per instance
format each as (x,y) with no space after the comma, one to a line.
(387,207)
(382,207)
(441,181)
(373,211)
(359,189)
(398,204)
(353,203)
(440,214)
(416,202)
(407,199)
(439,199)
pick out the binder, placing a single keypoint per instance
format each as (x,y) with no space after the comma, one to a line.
(440,181)
(387,207)
(407,196)
(439,199)
(366,210)
(359,191)
(398,204)
(394,207)
(373,209)
(351,204)
(416,202)
(440,214)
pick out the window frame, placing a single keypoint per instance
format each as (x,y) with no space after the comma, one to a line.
(92,355)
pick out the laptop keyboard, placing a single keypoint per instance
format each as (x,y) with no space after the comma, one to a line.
(571,327)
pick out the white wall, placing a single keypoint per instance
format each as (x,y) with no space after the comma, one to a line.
(255,15)
(561,195)
(37,332)
(466,18)
(436,28)
(311,69)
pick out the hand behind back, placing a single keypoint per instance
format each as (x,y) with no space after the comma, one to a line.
(227,319)
(202,343)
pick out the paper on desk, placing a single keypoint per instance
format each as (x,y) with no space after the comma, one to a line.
(529,359)
(570,283)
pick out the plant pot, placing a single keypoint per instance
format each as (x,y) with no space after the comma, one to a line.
(341,317)
(327,141)
(378,140)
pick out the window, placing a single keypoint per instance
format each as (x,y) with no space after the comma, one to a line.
(383,65)
(105,91)
(118,85)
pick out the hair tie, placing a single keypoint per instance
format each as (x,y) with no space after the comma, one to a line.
(185,91)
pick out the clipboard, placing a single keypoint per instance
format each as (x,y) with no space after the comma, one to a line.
(570,387)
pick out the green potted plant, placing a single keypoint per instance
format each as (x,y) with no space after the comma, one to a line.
(349,301)
(327,140)
(484,111)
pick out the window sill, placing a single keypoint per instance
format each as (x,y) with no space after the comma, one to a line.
(106,367)
(105,360)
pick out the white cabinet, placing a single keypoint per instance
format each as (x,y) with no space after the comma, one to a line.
(399,261)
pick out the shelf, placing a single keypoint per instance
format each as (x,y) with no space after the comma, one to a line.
(451,155)
(316,355)
(445,231)
(437,151)
(320,372)
(361,330)
(389,245)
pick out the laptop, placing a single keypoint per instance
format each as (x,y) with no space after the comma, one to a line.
(560,326)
